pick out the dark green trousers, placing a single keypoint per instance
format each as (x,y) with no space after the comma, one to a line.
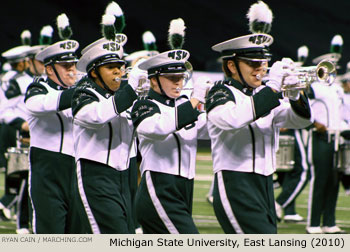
(295,180)
(244,203)
(12,183)
(164,204)
(133,183)
(105,199)
(51,188)
(324,183)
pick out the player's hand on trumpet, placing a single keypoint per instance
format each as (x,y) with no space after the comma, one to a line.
(278,72)
(137,76)
(200,89)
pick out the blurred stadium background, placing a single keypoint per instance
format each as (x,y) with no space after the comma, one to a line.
(296,23)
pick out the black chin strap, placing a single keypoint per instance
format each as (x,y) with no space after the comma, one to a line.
(58,76)
(103,83)
(160,87)
(240,74)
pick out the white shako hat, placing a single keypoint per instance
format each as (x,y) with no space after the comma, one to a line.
(62,51)
(16,54)
(255,46)
(100,54)
(335,51)
(19,53)
(173,61)
(252,47)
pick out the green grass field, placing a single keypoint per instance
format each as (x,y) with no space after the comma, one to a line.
(203,212)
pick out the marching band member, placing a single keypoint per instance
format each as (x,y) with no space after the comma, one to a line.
(15,114)
(51,176)
(244,118)
(345,172)
(168,125)
(150,49)
(103,137)
(17,58)
(322,148)
(294,181)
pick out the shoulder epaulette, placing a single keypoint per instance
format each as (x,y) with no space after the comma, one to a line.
(219,94)
(143,109)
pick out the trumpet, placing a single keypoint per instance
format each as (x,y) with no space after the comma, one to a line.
(324,72)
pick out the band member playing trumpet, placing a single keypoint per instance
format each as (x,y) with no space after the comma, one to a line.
(295,180)
(244,117)
(168,125)
(322,149)
(103,138)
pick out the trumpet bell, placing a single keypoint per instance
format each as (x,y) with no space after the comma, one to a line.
(325,72)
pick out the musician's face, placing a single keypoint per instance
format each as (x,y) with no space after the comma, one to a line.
(252,71)
(172,84)
(66,70)
(109,73)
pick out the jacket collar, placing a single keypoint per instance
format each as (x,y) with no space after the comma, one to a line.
(236,84)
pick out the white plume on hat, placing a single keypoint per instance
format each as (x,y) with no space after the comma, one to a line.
(303,53)
(108,29)
(336,44)
(176,33)
(47,30)
(260,18)
(64,30)
(114,9)
(148,37)
(26,37)
(46,35)
(149,41)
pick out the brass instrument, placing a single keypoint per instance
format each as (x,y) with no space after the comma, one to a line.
(325,72)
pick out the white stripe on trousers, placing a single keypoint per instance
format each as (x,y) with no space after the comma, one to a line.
(94,226)
(158,206)
(19,203)
(30,194)
(312,179)
(303,175)
(226,204)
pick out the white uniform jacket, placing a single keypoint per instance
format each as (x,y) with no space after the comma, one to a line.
(5,83)
(327,104)
(102,124)
(14,111)
(244,126)
(168,130)
(50,116)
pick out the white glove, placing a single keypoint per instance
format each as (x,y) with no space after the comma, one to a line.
(278,70)
(136,74)
(289,62)
(200,88)
(294,95)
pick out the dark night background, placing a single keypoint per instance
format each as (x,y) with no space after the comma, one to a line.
(296,23)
